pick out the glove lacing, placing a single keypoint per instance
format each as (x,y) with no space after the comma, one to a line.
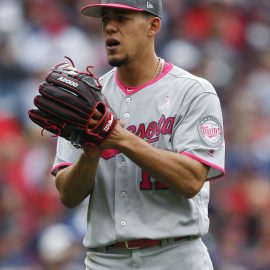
(88,71)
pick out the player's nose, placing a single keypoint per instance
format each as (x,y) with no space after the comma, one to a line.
(110,26)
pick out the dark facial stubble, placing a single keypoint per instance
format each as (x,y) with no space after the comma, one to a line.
(118,63)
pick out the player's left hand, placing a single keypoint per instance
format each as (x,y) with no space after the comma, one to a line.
(71,105)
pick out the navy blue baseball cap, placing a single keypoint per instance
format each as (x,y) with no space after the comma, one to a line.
(153,7)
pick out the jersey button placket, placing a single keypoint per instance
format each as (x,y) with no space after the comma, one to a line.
(122,198)
(122,207)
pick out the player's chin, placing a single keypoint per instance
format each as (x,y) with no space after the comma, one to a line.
(117,61)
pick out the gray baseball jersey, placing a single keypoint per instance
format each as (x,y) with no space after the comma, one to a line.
(176,111)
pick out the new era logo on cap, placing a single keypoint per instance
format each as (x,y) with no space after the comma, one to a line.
(149,5)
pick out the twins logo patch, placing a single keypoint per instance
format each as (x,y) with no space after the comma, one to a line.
(211,131)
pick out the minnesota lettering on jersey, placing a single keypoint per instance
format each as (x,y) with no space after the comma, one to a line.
(150,134)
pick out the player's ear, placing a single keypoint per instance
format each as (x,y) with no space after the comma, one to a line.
(154,26)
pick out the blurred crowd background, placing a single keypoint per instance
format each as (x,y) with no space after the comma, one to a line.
(224,41)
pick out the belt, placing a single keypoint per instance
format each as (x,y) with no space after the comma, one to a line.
(143,243)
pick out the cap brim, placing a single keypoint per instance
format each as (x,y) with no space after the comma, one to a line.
(96,10)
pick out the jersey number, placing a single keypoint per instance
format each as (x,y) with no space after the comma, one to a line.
(147,184)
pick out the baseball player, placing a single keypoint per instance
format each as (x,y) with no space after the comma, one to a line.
(149,180)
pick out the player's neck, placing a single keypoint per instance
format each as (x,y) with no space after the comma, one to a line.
(140,72)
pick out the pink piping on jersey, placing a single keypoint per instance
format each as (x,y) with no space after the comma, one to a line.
(206,163)
(63,164)
(167,68)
